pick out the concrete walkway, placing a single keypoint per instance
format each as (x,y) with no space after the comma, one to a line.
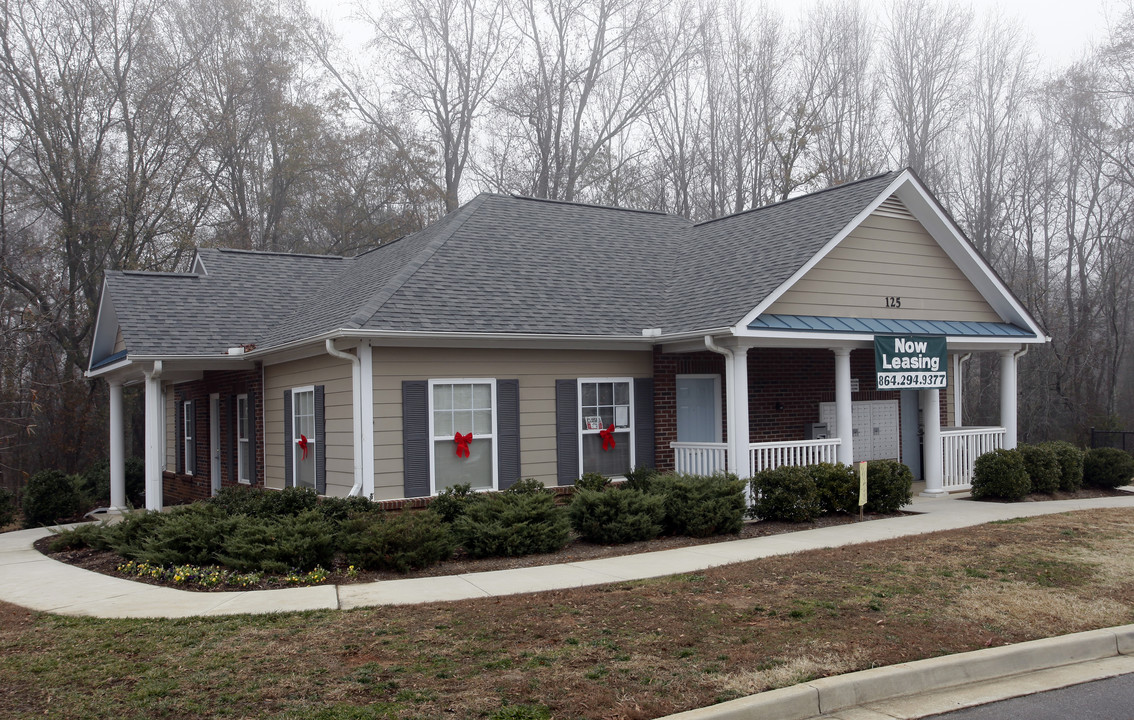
(37,582)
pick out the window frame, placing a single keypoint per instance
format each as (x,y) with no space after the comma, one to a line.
(580,431)
(494,437)
(189,436)
(718,406)
(312,442)
(243,438)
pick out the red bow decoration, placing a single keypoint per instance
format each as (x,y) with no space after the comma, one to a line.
(462,444)
(607,438)
(302,443)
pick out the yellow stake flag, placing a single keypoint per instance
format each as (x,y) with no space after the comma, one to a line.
(862,483)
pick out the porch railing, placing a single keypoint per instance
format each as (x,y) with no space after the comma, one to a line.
(699,458)
(960,447)
(768,455)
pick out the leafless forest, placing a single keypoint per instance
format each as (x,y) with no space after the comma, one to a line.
(132,131)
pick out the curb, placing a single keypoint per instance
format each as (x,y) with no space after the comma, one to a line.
(833,694)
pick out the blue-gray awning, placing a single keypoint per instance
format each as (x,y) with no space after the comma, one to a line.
(952,328)
(121,354)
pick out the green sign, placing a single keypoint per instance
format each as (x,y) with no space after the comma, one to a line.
(909,361)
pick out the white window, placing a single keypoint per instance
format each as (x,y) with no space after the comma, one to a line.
(188,420)
(243,448)
(303,447)
(603,403)
(462,408)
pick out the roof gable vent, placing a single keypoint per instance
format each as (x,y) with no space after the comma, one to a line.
(892,207)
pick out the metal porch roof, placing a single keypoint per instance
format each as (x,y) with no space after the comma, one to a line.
(953,328)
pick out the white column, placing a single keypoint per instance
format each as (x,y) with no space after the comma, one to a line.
(958,421)
(117,450)
(731,401)
(844,418)
(739,439)
(155,436)
(931,443)
(1008,396)
(366,369)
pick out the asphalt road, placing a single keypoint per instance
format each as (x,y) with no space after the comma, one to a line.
(1109,699)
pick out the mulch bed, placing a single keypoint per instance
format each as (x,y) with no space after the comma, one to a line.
(1081,494)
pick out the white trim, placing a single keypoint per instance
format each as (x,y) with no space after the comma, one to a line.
(189,463)
(199,261)
(99,342)
(214,444)
(433,439)
(580,432)
(243,444)
(366,373)
(312,442)
(717,409)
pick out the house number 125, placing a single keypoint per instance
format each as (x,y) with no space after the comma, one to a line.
(893,302)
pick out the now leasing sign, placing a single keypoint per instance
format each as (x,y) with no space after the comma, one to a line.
(908,361)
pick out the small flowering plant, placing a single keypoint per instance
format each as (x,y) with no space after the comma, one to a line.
(212,576)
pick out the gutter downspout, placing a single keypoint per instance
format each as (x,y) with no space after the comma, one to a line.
(734,455)
(356,397)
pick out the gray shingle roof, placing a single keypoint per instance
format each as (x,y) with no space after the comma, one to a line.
(499,264)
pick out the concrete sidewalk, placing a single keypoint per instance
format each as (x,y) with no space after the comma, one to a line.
(37,582)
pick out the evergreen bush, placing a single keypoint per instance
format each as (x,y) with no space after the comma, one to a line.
(1106,468)
(275,544)
(1070,465)
(620,516)
(94,482)
(128,536)
(49,497)
(263,503)
(702,505)
(505,524)
(404,541)
(453,501)
(527,486)
(837,485)
(338,509)
(641,478)
(7,507)
(785,493)
(81,536)
(1000,474)
(592,481)
(1042,465)
(889,486)
(187,535)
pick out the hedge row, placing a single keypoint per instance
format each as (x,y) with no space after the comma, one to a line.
(802,494)
(1048,467)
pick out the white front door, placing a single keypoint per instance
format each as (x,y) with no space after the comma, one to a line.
(699,408)
(214,442)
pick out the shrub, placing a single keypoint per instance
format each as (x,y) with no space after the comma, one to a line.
(506,524)
(1070,460)
(452,502)
(188,535)
(1106,468)
(404,541)
(261,503)
(619,516)
(702,505)
(7,507)
(275,545)
(592,481)
(1042,465)
(1000,474)
(50,496)
(785,493)
(338,509)
(94,482)
(837,485)
(81,536)
(641,478)
(527,486)
(889,486)
(128,536)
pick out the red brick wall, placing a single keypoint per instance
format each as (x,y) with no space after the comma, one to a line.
(184,488)
(785,387)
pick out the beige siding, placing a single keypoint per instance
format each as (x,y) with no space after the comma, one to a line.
(537,371)
(334,375)
(119,342)
(889,255)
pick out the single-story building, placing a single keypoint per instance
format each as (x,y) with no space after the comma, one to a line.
(519,337)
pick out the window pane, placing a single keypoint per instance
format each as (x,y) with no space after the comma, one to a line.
(606,394)
(607,415)
(242,418)
(482,396)
(442,397)
(443,423)
(589,397)
(482,422)
(462,396)
(462,421)
(621,393)
(475,470)
(615,461)
(305,469)
(245,471)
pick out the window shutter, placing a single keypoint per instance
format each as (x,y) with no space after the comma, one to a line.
(288,442)
(252,435)
(567,431)
(179,433)
(415,438)
(233,471)
(320,444)
(191,461)
(507,432)
(644,423)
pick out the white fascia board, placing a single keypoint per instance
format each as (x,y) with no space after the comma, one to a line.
(823,252)
(108,369)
